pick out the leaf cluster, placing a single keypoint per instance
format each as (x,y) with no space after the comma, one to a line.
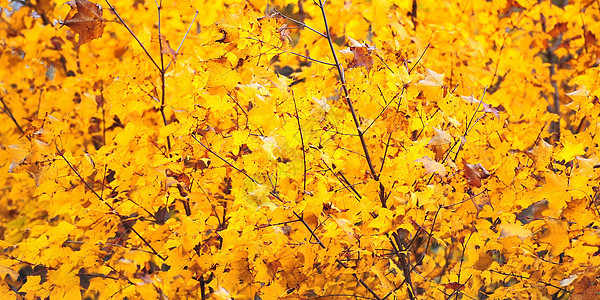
(299,149)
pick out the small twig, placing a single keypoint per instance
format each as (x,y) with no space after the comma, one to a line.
(418,60)
(340,70)
(345,184)
(302,24)
(430,234)
(292,52)
(224,160)
(121,218)
(463,201)
(112,245)
(314,235)
(162,74)
(7,111)
(183,40)
(387,144)
(133,34)
(301,141)
(382,111)
(523,277)
(346,296)
(315,60)
(470,124)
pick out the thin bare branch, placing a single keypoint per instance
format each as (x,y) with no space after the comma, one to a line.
(132,34)
(122,218)
(162,73)
(418,60)
(340,70)
(302,143)
(302,24)
(7,111)
(183,40)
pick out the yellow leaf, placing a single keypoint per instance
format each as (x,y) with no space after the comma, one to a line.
(221,294)
(383,222)
(8,271)
(570,151)
(514,230)
(345,226)
(32,285)
(556,235)
(432,79)
(385,282)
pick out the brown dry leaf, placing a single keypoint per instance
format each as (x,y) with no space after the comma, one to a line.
(284,29)
(590,38)
(440,137)
(454,286)
(484,261)
(586,288)
(475,173)
(284,34)
(558,29)
(362,55)
(165,48)
(432,166)
(85,18)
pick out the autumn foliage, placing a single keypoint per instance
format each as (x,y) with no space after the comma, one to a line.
(299,149)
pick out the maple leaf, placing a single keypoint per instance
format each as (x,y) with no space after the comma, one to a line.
(85,18)
(440,137)
(514,230)
(432,166)
(362,55)
(558,29)
(586,288)
(475,173)
(432,79)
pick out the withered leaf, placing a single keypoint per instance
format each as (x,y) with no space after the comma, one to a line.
(85,18)
(454,286)
(432,166)
(362,55)
(586,288)
(165,48)
(475,173)
(559,28)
